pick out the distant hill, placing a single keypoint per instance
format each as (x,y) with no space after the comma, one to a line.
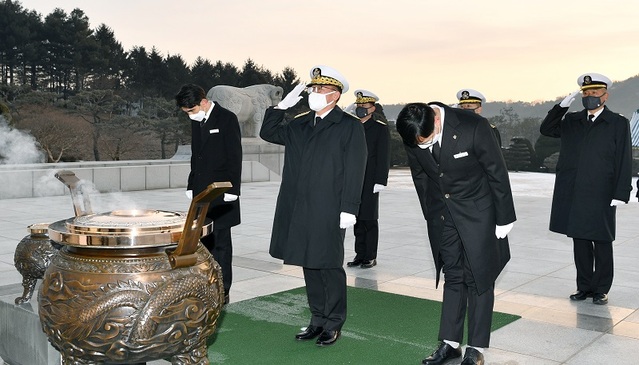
(624,99)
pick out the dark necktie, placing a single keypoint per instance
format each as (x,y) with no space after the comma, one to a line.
(317,120)
(591,117)
(203,128)
(435,152)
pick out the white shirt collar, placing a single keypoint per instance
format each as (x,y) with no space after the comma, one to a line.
(596,115)
(323,115)
(210,110)
(442,114)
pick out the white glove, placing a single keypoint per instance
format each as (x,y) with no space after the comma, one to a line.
(502,231)
(292,98)
(616,202)
(346,220)
(568,100)
(189,194)
(350,108)
(377,188)
(230,197)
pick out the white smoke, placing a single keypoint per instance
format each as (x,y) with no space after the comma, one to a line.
(88,197)
(17,147)
(107,202)
(48,185)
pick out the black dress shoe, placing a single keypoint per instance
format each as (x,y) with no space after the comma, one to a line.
(355,262)
(367,264)
(580,295)
(443,353)
(309,333)
(328,337)
(600,298)
(473,357)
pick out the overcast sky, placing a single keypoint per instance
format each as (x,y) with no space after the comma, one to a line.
(402,50)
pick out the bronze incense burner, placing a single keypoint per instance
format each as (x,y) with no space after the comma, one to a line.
(130,286)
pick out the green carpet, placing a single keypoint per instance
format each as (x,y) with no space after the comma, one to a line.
(381,328)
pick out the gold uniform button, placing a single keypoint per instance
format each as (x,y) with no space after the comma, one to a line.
(441,174)
(442,217)
(446,196)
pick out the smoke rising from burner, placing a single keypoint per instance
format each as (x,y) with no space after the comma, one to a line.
(86,191)
(17,147)
(107,202)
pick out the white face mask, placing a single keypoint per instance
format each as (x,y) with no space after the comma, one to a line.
(317,101)
(199,116)
(425,145)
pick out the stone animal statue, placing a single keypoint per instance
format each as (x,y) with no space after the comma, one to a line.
(248,103)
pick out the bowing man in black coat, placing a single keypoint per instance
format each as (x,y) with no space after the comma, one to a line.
(464,191)
(319,196)
(594,175)
(216,155)
(366,228)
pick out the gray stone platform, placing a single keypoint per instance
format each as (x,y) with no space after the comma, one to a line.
(535,284)
(261,161)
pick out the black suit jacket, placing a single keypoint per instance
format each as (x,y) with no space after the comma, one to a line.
(216,155)
(471,182)
(377,165)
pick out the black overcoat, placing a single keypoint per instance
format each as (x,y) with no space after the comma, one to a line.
(216,155)
(594,167)
(471,181)
(377,165)
(322,176)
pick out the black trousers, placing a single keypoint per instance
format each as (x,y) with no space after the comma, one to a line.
(460,294)
(220,246)
(326,293)
(594,263)
(366,239)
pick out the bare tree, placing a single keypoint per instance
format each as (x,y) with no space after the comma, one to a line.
(59,140)
(160,117)
(98,108)
(120,137)
(58,135)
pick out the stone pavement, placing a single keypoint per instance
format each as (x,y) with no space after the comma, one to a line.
(535,284)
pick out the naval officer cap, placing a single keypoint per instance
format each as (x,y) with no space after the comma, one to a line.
(364,96)
(593,81)
(324,75)
(467,96)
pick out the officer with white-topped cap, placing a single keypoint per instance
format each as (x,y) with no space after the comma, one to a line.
(320,193)
(594,175)
(366,228)
(470,99)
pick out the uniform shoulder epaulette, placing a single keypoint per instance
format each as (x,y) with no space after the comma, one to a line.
(380,122)
(301,114)
(493,126)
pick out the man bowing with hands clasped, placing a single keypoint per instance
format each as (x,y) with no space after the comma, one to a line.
(324,164)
